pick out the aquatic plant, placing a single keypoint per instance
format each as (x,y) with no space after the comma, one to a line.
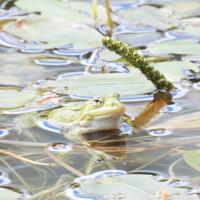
(131,55)
(94,9)
(109,22)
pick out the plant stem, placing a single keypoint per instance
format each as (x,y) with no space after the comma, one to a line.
(63,164)
(109,22)
(94,9)
(8,153)
(131,55)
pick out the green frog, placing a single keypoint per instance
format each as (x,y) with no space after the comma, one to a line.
(76,118)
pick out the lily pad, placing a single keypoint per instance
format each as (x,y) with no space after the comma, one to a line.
(188,31)
(128,84)
(192,158)
(175,70)
(180,47)
(10,99)
(161,19)
(8,194)
(47,31)
(107,184)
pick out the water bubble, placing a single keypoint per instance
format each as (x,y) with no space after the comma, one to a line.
(126,129)
(60,147)
(159,132)
(196,86)
(172,108)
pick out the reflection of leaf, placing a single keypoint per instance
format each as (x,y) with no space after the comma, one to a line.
(176,47)
(149,15)
(48,30)
(8,194)
(192,158)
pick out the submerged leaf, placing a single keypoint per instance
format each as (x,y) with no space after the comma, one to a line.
(192,158)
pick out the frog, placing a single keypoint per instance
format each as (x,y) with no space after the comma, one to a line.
(97,114)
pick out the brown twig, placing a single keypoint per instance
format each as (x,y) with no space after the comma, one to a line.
(21,158)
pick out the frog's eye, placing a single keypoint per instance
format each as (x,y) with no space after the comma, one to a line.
(98,100)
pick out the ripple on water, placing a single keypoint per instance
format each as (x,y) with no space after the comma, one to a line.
(6,130)
(160,132)
(196,86)
(60,148)
(172,108)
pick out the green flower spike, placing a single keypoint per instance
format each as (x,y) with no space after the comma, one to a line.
(138,61)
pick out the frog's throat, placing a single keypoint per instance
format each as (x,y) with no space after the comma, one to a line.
(115,110)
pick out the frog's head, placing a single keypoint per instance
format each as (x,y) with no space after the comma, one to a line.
(102,113)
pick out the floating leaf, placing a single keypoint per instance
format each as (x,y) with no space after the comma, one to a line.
(138,40)
(192,158)
(71,11)
(174,70)
(181,47)
(187,31)
(104,184)
(185,8)
(148,15)
(13,99)
(102,84)
(47,31)
(8,194)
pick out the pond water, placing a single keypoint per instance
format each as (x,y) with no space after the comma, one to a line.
(51,57)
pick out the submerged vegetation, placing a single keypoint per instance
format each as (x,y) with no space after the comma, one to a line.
(99,99)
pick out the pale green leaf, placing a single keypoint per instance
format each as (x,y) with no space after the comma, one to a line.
(6,194)
(148,15)
(56,32)
(192,158)
(182,47)
(13,99)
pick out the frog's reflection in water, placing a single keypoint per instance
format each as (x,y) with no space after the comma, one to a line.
(110,142)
